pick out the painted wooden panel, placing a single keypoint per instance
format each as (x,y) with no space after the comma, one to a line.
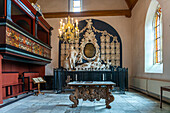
(15,39)
(30,82)
(10,79)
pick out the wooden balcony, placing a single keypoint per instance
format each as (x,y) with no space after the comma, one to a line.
(25,35)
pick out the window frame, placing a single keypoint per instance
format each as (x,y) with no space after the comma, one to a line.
(71,5)
(157,29)
(151,67)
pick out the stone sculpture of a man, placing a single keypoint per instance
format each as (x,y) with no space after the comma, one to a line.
(72,57)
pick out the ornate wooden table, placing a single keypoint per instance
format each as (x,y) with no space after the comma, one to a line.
(88,90)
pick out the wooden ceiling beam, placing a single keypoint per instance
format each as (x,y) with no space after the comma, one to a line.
(131,3)
(125,12)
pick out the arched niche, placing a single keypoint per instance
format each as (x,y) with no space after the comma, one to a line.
(104,37)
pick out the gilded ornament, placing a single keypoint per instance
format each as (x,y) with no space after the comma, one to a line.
(107,39)
(117,51)
(117,63)
(62,52)
(103,51)
(113,56)
(113,62)
(107,51)
(108,56)
(62,46)
(67,46)
(115,38)
(76,41)
(108,45)
(102,45)
(77,46)
(102,38)
(103,57)
(117,45)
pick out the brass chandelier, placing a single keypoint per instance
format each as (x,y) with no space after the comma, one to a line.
(68,31)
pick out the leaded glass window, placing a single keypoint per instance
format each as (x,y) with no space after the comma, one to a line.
(76,5)
(157,27)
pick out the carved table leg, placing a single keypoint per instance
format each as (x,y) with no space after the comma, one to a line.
(74,98)
(109,98)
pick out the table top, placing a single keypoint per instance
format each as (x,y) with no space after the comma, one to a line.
(91,83)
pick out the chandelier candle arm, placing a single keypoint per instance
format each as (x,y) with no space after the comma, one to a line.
(76,23)
(68,31)
(63,26)
(60,24)
(72,21)
(66,20)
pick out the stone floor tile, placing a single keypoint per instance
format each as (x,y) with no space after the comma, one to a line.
(43,111)
(131,102)
(130,108)
(59,109)
(132,111)
(117,111)
(143,111)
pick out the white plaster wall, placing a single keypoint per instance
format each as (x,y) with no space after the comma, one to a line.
(103,4)
(62,5)
(55,47)
(53,5)
(120,23)
(138,38)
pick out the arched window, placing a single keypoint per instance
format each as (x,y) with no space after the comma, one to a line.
(157,27)
(153,39)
